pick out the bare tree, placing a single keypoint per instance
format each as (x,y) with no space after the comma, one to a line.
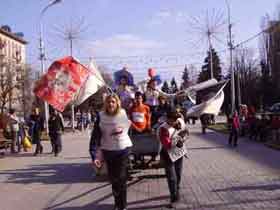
(246,68)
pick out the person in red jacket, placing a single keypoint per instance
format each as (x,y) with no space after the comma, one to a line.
(140,115)
(235,126)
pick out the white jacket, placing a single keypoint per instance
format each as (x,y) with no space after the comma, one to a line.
(114,131)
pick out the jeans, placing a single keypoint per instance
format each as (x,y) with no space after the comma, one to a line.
(233,134)
(36,139)
(56,143)
(117,163)
(173,172)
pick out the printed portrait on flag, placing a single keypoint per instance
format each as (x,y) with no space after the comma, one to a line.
(61,82)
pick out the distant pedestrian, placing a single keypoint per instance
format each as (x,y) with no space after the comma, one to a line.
(14,127)
(204,119)
(235,126)
(56,129)
(37,123)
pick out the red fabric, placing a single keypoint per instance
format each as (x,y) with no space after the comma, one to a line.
(235,122)
(61,82)
(165,138)
(275,123)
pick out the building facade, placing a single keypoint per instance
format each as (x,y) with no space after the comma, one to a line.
(12,69)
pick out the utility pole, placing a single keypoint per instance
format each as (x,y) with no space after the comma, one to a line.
(238,88)
(72,106)
(209,34)
(211,59)
(42,55)
(231,48)
(70,34)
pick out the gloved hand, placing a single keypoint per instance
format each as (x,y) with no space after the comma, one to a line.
(179,144)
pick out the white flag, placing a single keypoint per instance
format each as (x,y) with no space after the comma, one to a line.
(93,83)
(213,98)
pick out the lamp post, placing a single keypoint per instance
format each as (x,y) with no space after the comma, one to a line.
(42,53)
(230,44)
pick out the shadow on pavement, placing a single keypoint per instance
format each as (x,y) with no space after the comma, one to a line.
(92,206)
(67,173)
(97,206)
(206,148)
(246,148)
(88,207)
(79,196)
(271,187)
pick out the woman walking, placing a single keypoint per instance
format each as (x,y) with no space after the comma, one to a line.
(56,129)
(235,126)
(172,136)
(114,146)
(37,124)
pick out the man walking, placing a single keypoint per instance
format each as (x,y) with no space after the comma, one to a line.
(56,129)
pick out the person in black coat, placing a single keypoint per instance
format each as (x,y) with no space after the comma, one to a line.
(56,128)
(37,126)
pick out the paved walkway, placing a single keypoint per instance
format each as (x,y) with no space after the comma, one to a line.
(215,177)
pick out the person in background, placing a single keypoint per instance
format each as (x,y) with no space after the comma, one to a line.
(79,119)
(37,128)
(140,115)
(56,128)
(275,126)
(125,93)
(172,128)
(151,95)
(14,126)
(112,131)
(161,110)
(204,119)
(235,126)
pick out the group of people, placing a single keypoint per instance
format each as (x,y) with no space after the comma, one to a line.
(17,129)
(128,112)
(258,127)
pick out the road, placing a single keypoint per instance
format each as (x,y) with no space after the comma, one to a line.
(215,176)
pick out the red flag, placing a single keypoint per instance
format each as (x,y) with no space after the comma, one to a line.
(63,79)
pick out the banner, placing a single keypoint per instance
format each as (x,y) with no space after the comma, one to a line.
(59,85)
(209,100)
(93,83)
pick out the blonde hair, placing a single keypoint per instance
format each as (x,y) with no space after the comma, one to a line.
(118,101)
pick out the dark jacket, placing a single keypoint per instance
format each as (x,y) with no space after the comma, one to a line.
(37,126)
(95,138)
(55,125)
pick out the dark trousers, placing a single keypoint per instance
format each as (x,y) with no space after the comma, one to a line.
(173,172)
(14,142)
(39,147)
(36,139)
(56,143)
(117,162)
(233,134)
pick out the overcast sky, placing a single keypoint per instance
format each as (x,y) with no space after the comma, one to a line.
(163,34)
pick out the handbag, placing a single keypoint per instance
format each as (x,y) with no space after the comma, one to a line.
(26,143)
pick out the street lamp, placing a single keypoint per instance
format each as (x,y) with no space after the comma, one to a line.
(230,44)
(42,53)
